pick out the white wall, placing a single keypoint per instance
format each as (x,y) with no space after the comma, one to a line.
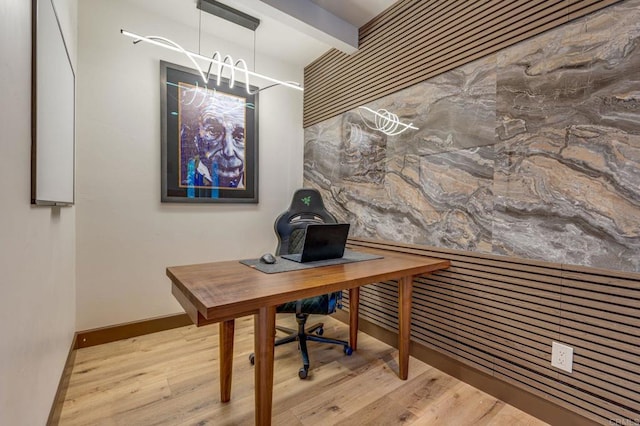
(37,244)
(125,236)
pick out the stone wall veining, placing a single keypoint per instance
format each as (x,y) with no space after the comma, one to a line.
(532,152)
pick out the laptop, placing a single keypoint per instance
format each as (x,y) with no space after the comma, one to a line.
(322,241)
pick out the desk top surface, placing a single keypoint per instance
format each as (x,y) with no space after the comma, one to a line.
(220,289)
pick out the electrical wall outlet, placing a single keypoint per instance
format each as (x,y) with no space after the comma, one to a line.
(562,356)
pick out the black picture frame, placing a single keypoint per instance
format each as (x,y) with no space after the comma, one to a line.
(209,138)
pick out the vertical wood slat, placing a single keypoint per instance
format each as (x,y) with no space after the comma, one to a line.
(499,315)
(336,82)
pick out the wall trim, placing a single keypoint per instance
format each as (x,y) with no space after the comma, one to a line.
(112,333)
(538,407)
(63,385)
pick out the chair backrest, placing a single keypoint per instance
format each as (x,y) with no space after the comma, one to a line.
(306,207)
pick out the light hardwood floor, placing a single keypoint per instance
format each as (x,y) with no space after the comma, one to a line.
(171,378)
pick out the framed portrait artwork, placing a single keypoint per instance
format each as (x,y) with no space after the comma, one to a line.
(209,138)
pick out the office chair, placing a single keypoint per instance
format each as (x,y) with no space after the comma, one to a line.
(306,207)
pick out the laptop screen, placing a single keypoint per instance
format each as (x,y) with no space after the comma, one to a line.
(323,241)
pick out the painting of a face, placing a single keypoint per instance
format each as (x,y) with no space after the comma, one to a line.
(209,150)
(212,137)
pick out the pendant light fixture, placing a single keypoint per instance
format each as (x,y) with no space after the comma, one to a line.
(216,59)
(385,122)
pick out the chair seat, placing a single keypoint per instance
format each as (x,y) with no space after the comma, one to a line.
(322,305)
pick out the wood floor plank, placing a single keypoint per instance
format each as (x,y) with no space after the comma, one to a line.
(347,398)
(510,416)
(171,378)
(383,411)
(421,392)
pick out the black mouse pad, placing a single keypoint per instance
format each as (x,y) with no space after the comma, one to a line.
(284,265)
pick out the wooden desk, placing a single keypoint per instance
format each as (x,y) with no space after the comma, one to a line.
(223,291)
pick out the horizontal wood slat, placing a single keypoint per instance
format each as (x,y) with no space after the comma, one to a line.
(500,314)
(415,40)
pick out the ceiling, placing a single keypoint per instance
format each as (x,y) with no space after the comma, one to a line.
(272,38)
(355,12)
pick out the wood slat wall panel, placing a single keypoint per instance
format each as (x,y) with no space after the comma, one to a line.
(472,337)
(599,361)
(627,294)
(581,8)
(497,312)
(601,324)
(604,308)
(468,30)
(598,405)
(567,401)
(506,334)
(506,300)
(415,40)
(537,281)
(585,336)
(389,18)
(490,343)
(453,349)
(506,283)
(509,336)
(499,315)
(612,388)
(603,276)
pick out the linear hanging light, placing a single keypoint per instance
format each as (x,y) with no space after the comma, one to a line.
(216,59)
(386,122)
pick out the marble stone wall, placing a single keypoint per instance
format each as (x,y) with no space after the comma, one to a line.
(533,152)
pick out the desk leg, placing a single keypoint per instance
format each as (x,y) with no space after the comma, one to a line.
(226,358)
(265,328)
(354,306)
(405,287)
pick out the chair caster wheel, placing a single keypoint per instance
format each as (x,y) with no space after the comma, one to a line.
(303,372)
(320,331)
(348,350)
(252,359)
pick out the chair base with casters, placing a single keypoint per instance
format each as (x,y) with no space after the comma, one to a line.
(302,335)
